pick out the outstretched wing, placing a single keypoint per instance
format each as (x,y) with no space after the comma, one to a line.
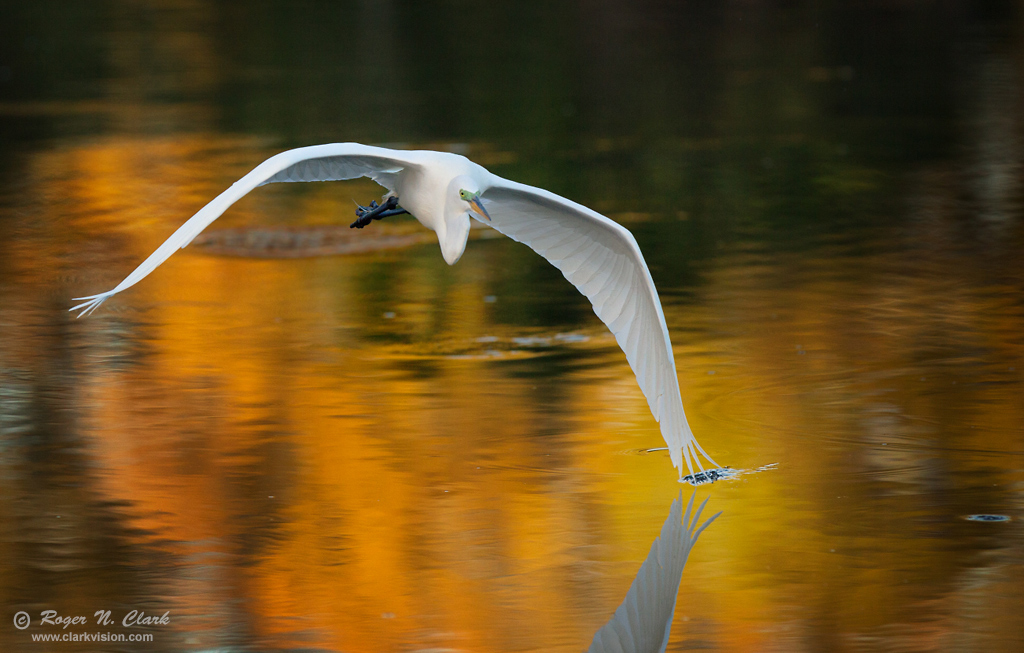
(643,621)
(601,258)
(317,163)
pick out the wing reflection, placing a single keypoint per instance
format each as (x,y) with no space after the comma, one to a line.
(643,621)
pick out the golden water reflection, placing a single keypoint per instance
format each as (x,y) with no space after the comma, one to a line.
(354,453)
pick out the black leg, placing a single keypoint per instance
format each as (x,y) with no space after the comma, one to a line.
(367,214)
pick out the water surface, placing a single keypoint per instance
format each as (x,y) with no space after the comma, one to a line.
(308,446)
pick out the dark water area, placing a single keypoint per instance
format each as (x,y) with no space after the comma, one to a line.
(292,438)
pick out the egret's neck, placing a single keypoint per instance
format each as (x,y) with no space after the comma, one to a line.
(452,234)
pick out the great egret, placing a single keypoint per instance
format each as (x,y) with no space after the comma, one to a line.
(643,620)
(443,191)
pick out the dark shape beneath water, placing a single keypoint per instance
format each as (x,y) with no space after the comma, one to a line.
(987,518)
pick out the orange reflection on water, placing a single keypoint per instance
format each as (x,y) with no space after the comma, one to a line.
(324,473)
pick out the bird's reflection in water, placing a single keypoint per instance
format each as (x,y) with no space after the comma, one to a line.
(643,621)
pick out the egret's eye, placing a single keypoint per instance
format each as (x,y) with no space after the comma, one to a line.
(464,194)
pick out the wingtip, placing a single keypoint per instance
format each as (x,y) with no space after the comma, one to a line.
(90,305)
(696,533)
(691,456)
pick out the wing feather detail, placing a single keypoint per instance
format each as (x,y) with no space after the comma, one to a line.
(332,162)
(602,260)
(337,168)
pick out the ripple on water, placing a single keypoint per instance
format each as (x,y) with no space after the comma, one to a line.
(302,242)
(525,346)
(987,518)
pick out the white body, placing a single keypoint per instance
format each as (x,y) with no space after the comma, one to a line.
(597,255)
(424,191)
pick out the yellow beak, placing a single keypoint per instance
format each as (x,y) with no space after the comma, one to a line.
(478,206)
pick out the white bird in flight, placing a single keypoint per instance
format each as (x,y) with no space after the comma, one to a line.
(444,191)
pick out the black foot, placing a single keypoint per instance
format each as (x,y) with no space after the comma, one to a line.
(367,214)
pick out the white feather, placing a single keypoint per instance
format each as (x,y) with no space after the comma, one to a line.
(341,161)
(615,278)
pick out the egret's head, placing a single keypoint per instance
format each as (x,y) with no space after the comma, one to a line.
(476,204)
(462,201)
